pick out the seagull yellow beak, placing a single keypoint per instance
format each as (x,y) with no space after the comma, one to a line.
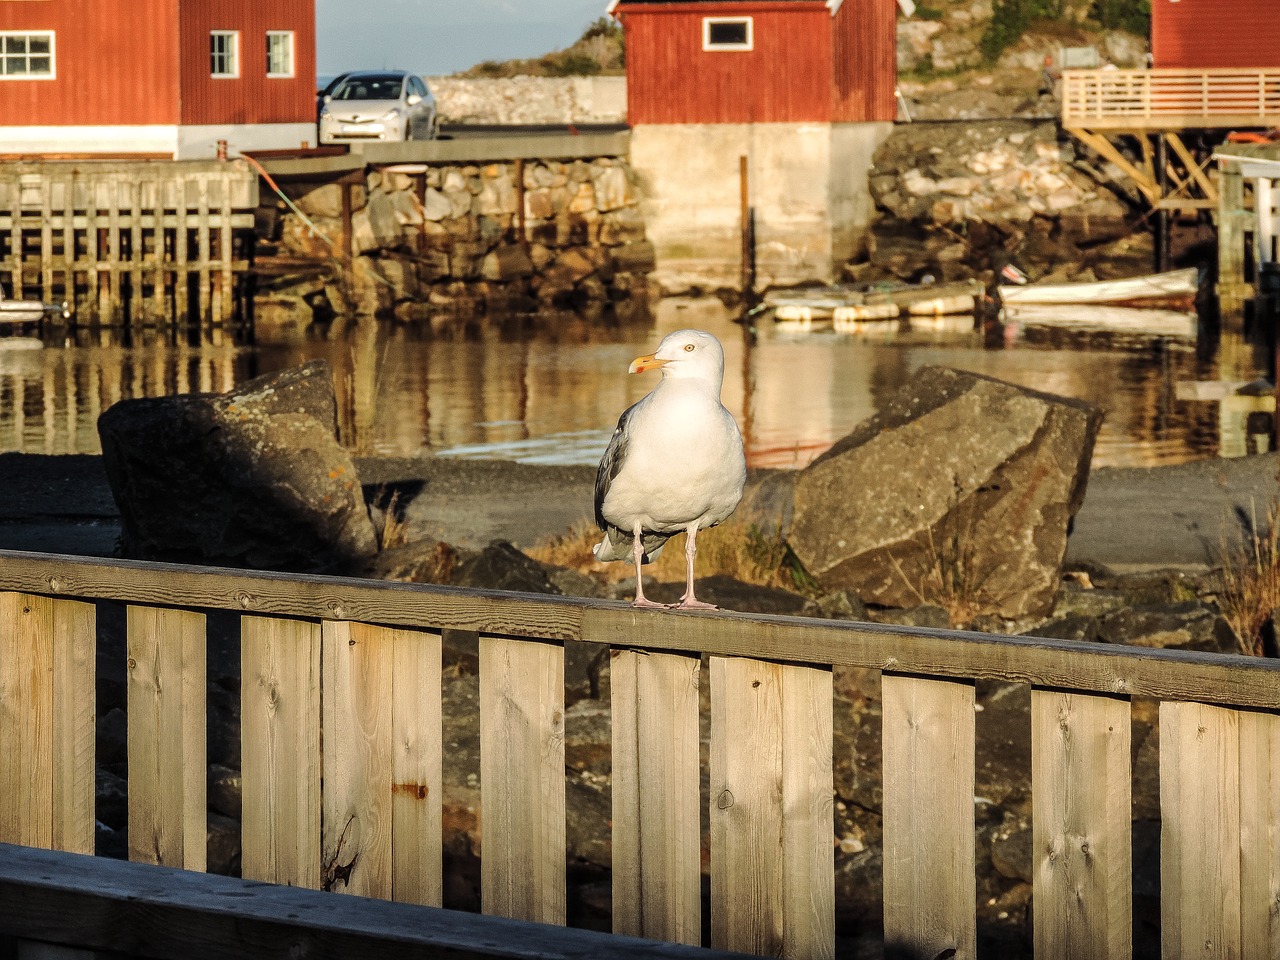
(641,364)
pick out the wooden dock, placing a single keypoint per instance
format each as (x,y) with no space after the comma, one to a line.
(340,707)
(128,242)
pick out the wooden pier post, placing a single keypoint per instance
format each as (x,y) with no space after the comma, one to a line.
(1232,288)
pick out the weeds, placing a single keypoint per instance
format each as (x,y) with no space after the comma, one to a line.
(394,531)
(1251,578)
(734,549)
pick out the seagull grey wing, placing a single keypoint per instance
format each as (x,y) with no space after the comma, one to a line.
(615,456)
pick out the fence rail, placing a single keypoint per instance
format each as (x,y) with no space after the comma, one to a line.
(1170,98)
(356,665)
(136,241)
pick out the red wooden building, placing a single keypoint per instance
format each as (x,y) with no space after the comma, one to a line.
(1203,34)
(760,61)
(155,77)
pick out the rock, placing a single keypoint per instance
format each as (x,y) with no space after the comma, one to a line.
(923,616)
(250,478)
(507,262)
(376,225)
(842,605)
(421,561)
(731,594)
(960,489)
(1184,626)
(1011,852)
(500,566)
(1076,627)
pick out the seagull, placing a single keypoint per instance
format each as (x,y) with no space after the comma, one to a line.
(675,461)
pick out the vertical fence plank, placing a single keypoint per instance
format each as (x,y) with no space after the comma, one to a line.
(1200,831)
(417,780)
(68,210)
(930,896)
(522,866)
(167,766)
(280,750)
(181,271)
(226,250)
(772,854)
(355,697)
(657,862)
(1081,826)
(74,749)
(17,290)
(205,308)
(1259,834)
(46,239)
(26,720)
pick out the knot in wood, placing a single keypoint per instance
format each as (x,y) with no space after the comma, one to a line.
(338,610)
(246,601)
(725,800)
(55,584)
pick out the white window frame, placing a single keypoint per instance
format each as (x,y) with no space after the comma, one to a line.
(50,35)
(706,33)
(287,37)
(233,54)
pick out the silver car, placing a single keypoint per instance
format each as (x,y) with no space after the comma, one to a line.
(382,105)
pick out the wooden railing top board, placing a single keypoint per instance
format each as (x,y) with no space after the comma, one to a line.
(1093,667)
(149,911)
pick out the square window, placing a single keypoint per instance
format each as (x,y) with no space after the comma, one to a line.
(727,33)
(224,53)
(279,53)
(27,56)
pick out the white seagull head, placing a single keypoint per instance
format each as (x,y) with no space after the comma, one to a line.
(686,354)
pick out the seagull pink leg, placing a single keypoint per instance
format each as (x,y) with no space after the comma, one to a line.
(637,556)
(689,601)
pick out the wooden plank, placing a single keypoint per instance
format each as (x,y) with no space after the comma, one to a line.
(522,864)
(772,856)
(1098,668)
(657,863)
(226,254)
(69,241)
(1081,826)
(929,886)
(17,290)
(181,238)
(137,309)
(1200,908)
(417,781)
(168,772)
(1259,835)
(46,239)
(26,720)
(159,280)
(356,693)
(280,750)
(203,227)
(74,749)
(132,910)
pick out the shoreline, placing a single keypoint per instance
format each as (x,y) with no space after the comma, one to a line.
(1133,519)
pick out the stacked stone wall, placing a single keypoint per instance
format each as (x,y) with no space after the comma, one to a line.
(426,237)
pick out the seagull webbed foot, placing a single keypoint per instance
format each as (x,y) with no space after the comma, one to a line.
(693,603)
(646,602)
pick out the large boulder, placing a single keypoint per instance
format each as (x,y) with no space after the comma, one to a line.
(958,493)
(250,478)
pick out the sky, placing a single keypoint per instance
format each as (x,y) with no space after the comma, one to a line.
(443,36)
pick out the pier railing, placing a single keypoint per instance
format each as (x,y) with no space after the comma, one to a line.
(1170,98)
(341,712)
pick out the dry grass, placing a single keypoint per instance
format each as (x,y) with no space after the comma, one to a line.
(733,549)
(951,580)
(394,531)
(1251,579)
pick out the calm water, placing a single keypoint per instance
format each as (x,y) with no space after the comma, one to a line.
(553,395)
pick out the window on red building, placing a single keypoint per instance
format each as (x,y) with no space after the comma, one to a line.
(26,55)
(279,53)
(727,33)
(224,53)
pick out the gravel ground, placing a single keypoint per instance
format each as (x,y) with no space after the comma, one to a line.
(1132,518)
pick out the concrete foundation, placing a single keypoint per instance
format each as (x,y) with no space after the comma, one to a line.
(806,182)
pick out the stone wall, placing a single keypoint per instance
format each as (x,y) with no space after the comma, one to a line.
(531,100)
(426,237)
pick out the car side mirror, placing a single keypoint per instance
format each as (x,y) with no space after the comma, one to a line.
(328,97)
(413,100)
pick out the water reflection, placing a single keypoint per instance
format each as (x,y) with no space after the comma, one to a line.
(551,392)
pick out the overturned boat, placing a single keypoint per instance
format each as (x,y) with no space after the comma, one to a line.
(1171,290)
(30,311)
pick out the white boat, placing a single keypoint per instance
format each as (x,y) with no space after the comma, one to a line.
(30,311)
(1175,288)
(1137,321)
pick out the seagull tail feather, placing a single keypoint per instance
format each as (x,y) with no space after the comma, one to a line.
(616,545)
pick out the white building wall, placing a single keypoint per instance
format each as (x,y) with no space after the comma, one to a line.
(171,140)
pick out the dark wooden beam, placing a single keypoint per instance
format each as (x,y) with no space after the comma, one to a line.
(166,914)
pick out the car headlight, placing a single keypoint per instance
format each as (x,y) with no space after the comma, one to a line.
(391,116)
(325,116)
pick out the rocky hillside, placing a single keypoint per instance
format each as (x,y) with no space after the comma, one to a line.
(965,59)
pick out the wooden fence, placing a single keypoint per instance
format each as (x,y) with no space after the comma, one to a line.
(128,241)
(1170,98)
(357,665)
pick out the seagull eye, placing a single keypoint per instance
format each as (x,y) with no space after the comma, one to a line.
(688,348)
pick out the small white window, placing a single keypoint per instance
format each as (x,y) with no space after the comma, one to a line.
(27,55)
(224,53)
(727,33)
(279,53)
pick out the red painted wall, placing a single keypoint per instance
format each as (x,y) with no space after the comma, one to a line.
(252,97)
(1215,33)
(865,65)
(147,62)
(111,69)
(786,78)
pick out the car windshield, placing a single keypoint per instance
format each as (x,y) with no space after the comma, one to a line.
(369,88)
